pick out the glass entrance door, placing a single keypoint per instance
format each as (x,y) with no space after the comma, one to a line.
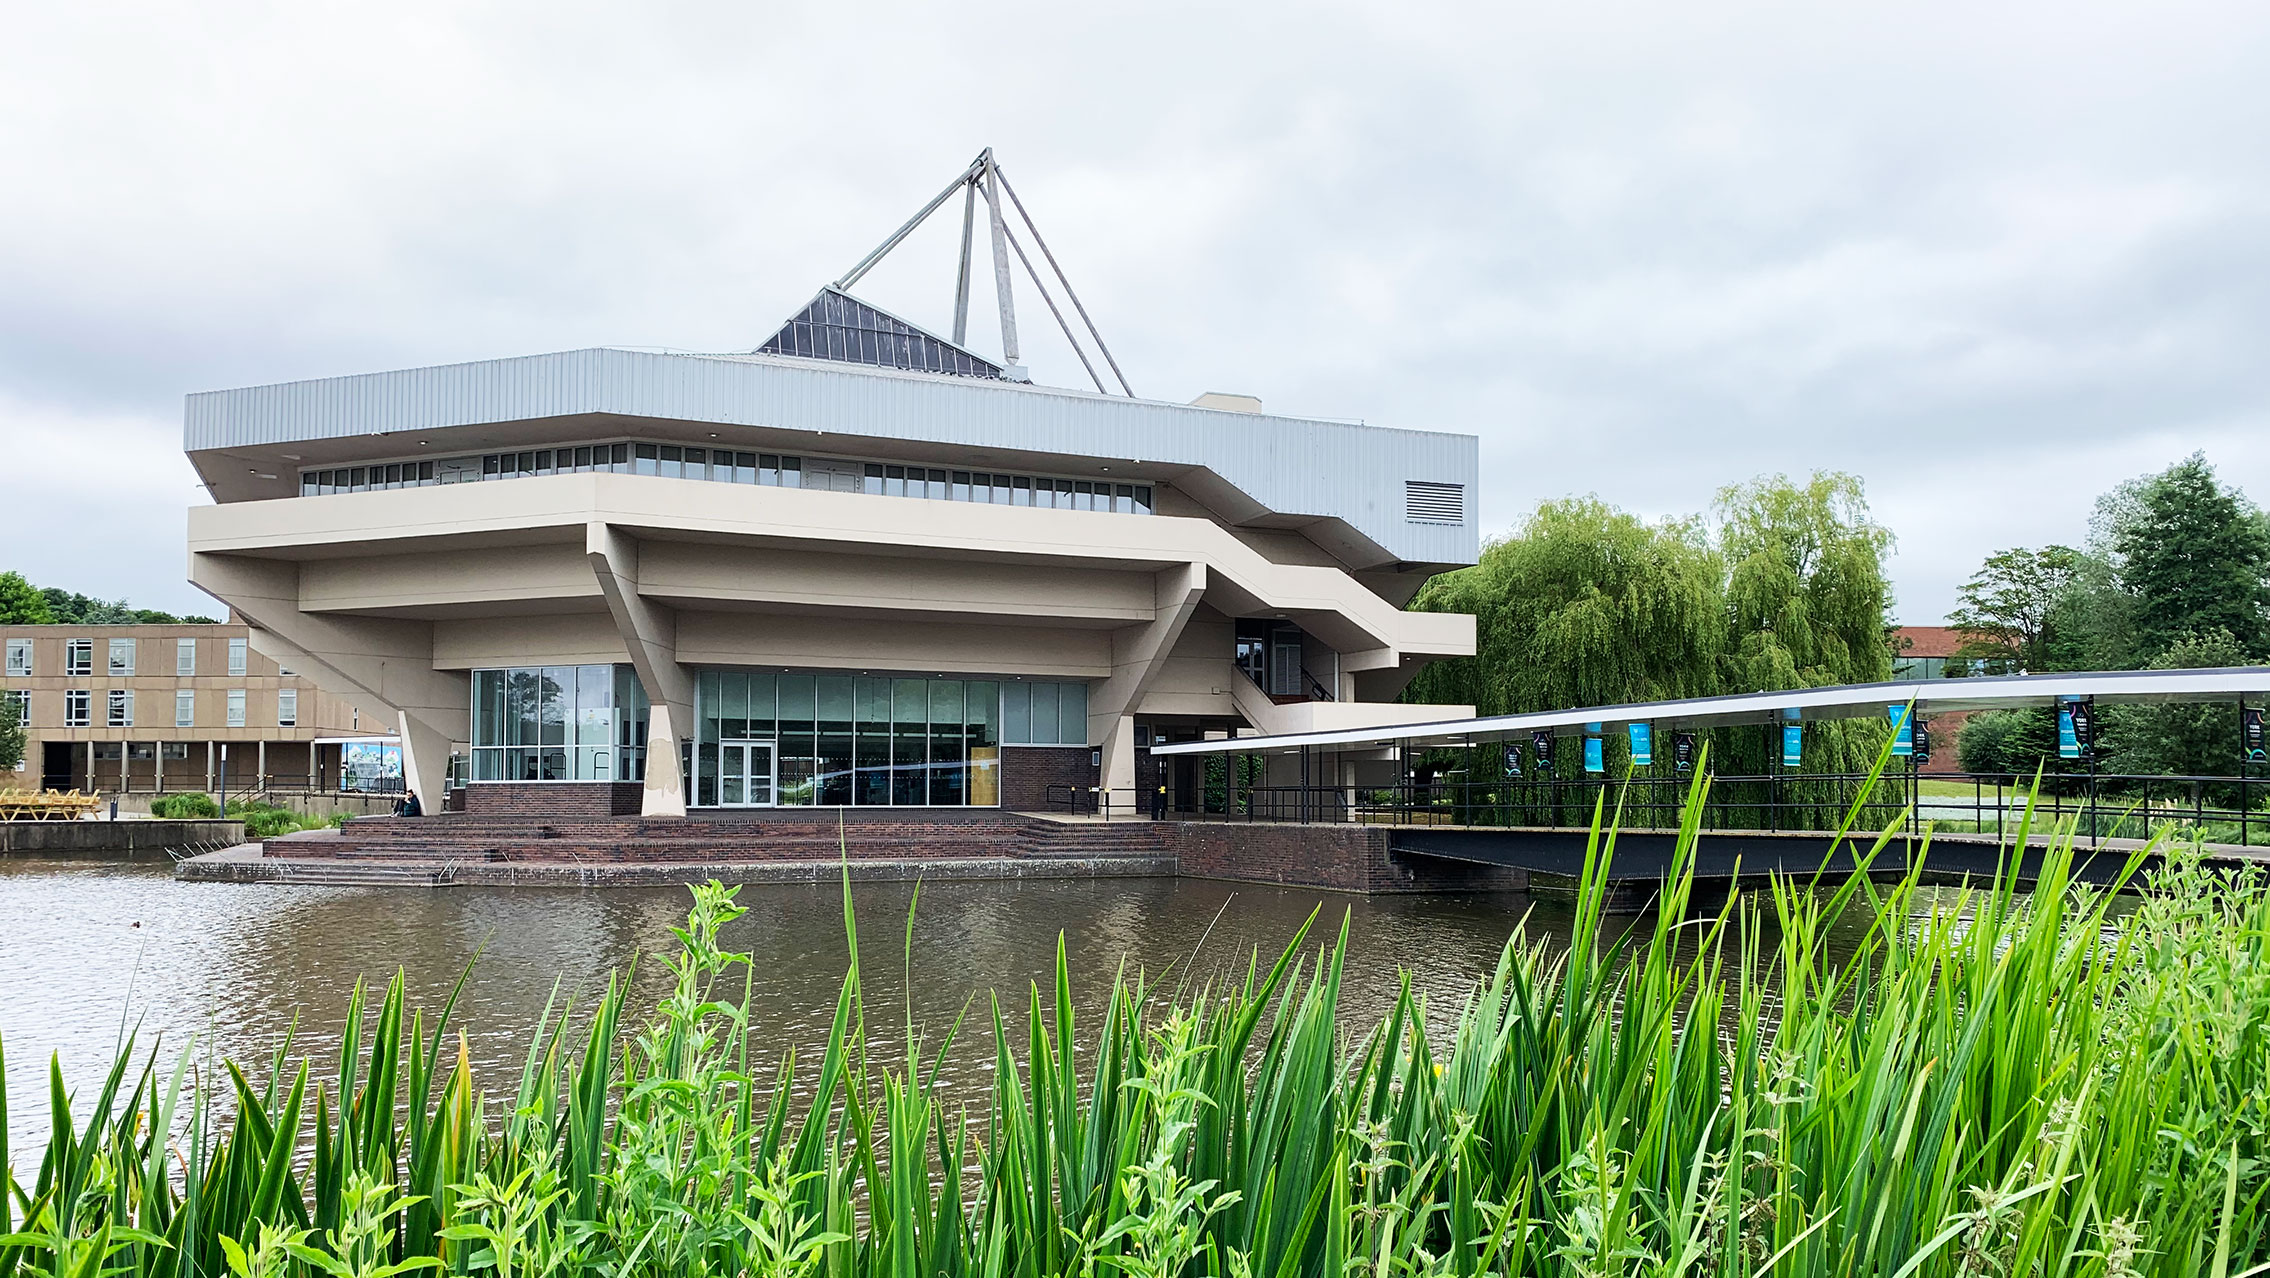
(745,774)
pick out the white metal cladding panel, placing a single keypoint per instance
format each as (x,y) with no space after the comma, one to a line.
(1288,465)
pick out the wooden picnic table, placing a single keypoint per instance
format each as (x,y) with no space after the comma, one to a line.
(46,805)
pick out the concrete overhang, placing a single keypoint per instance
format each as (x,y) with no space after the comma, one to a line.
(1339,483)
(516,549)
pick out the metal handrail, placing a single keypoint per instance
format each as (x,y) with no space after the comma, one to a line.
(1097,799)
(2107,805)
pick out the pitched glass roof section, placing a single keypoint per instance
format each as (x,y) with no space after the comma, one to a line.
(837,326)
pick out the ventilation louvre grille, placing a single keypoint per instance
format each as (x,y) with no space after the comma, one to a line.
(1426,502)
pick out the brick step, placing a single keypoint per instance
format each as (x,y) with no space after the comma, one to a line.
(528,830)
(403,843)
(694,851)
(410,852)
(350,875)
(538,834)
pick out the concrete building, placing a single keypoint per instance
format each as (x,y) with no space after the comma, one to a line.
(861,566)
(170,707)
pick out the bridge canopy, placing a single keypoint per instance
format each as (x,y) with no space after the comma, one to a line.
(1844,701)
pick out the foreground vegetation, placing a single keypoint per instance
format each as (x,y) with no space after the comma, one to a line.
(1990,1083)
(262,820)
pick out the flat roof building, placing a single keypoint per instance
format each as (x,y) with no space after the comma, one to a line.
(859,567)
(132,708)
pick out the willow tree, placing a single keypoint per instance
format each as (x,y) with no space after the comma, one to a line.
(1806,603)
(1583,605)
(1805,589)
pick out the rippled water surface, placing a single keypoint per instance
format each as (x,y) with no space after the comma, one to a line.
(89,948)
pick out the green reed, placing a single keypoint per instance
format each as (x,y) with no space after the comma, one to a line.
(1991,1083)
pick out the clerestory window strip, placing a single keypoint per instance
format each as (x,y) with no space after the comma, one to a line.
(721,465)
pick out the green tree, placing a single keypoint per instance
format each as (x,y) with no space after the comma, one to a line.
(2184,738)
(1805,591)
(1583,605)
(2013,741)
(2010,606)
(21,603)
(2195,557)
(69,608)
(12,737)
(2092,626)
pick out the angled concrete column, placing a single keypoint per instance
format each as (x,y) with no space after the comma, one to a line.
(650,633)
(383,662)
(1137,655)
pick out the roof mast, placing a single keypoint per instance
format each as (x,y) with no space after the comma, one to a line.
(983,178)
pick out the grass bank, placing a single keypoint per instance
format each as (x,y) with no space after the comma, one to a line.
(1994,1083)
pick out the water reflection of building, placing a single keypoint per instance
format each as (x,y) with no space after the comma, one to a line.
(144,708)
(864,567)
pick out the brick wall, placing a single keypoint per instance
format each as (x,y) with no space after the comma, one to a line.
(553,799)
(1028,771)
(1340,858)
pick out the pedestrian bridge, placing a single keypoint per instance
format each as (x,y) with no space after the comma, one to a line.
(1519,792)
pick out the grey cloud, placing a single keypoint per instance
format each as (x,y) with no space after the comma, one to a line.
(1973,253)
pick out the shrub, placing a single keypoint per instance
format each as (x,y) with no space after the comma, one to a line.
(267,821)
(184,807)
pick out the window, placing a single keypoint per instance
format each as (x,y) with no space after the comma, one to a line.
(288,708)
(236,707)
(19,656)
(122,656)
(1425,502)
(78,656)
(726,467)
(1037,712)
(559,723)
(23,698)
(185,657)
(78,708)
(792,738)
(185,708)
(237,655)
(121,708)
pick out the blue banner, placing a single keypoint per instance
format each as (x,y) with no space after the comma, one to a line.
(1792,745)
(2068,740)
(1592,759)
(1903,731)
(1643,745)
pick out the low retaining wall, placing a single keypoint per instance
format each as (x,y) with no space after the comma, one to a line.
(561,800)
(112,838)
(322,803)
(1338,858)
(247,867)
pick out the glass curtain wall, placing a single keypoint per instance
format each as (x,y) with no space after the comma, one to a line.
(851,741)
(559,723)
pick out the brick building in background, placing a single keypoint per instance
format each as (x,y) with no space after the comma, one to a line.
(144,708)
(1922,652)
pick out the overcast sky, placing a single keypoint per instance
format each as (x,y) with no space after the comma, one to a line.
(1991,258)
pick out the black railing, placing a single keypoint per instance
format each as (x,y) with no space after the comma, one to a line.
(1095,800)
(1311,687)
(2215,809)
